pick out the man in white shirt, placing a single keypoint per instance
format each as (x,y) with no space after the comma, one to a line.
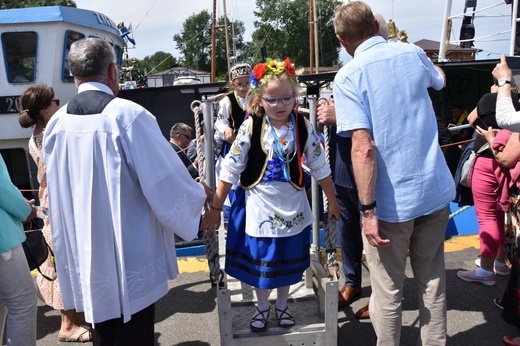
(117,195)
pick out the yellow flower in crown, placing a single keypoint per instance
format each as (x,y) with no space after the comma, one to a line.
(261,71)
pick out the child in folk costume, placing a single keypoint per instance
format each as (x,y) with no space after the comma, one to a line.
(231,114)
(232,108)
(268,235)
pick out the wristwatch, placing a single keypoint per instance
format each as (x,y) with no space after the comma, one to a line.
(503,82)
(365,207)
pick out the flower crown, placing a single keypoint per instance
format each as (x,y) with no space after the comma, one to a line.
(261,71)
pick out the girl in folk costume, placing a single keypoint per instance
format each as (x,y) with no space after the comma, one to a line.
(232,108)
(268,236)
(38,105)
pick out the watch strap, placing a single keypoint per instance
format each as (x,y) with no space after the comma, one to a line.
(365,207)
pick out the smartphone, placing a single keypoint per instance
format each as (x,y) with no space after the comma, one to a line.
(480,123)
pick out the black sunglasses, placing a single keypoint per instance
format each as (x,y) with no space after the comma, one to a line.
(57,101)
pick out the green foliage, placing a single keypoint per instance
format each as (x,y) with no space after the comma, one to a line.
(35,3)
(137,70)
(283,27)
(194,43)
(158,62)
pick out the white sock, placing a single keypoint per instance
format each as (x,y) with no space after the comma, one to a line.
(483,272)
(282,293)
(262,296)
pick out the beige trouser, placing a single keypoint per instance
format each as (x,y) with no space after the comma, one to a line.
(423,238)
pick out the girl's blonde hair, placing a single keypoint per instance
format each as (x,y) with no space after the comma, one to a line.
(262,74)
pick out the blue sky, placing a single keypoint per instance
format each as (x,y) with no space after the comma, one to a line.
(155,22)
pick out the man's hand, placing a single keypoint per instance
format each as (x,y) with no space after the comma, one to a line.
(326,114)
(371,229)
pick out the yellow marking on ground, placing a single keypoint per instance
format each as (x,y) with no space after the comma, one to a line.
(200,264)
(459,243)
(192,264)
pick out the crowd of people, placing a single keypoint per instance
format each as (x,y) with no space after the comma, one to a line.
(118,193)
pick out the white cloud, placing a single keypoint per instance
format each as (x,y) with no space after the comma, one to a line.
(156,22)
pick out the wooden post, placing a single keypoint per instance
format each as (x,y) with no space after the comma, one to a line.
(213,22)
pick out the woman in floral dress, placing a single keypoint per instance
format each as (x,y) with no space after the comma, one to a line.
(37,106)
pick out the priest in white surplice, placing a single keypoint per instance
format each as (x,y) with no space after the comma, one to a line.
(117,195)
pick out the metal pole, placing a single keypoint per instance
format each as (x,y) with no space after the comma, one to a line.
(514,20)
(207,110)
(442,47)
(314,185)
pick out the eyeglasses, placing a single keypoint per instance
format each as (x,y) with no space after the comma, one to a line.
(273,101)
(241,86)
(57,101)
(182,134)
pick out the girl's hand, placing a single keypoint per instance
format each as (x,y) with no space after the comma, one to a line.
(229,134)
(210,221)
(333,210)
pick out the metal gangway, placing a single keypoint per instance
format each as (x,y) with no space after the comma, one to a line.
(313,302)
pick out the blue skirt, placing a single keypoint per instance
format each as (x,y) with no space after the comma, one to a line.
(263,262)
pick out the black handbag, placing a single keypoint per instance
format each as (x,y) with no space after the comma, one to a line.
(37,251)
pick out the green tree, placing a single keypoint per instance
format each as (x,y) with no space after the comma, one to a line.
(35,3)
(194,43)
(159,61)
(283,27)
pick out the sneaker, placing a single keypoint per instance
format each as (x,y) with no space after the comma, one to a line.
(500,269)
(471,276)
(499,303)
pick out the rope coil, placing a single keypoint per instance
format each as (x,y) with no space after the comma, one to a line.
(210,238)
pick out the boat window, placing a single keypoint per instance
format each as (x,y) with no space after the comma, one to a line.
(20,56)
(70,38)
(119,54)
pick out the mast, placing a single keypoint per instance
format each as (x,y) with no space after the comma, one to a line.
(311,39)
(227,39)
(316,41)
(213,73)
(444,38)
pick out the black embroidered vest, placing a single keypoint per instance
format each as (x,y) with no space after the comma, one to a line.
(257,162)
(237,116)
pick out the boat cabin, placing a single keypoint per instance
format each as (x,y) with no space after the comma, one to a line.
(35,43)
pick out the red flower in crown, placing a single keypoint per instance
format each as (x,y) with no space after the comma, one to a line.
(289,68)
(259,70)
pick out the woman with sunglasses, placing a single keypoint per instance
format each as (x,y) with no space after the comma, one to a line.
(37,106)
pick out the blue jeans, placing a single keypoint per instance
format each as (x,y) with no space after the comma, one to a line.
(348,232)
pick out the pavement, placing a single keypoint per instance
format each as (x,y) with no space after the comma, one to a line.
(188,314)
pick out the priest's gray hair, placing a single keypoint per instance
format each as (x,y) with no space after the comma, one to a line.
(90,57)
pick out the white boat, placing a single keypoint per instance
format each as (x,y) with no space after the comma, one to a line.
(35,44)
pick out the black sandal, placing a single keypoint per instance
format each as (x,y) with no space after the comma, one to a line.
(284,316)
(260,317)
